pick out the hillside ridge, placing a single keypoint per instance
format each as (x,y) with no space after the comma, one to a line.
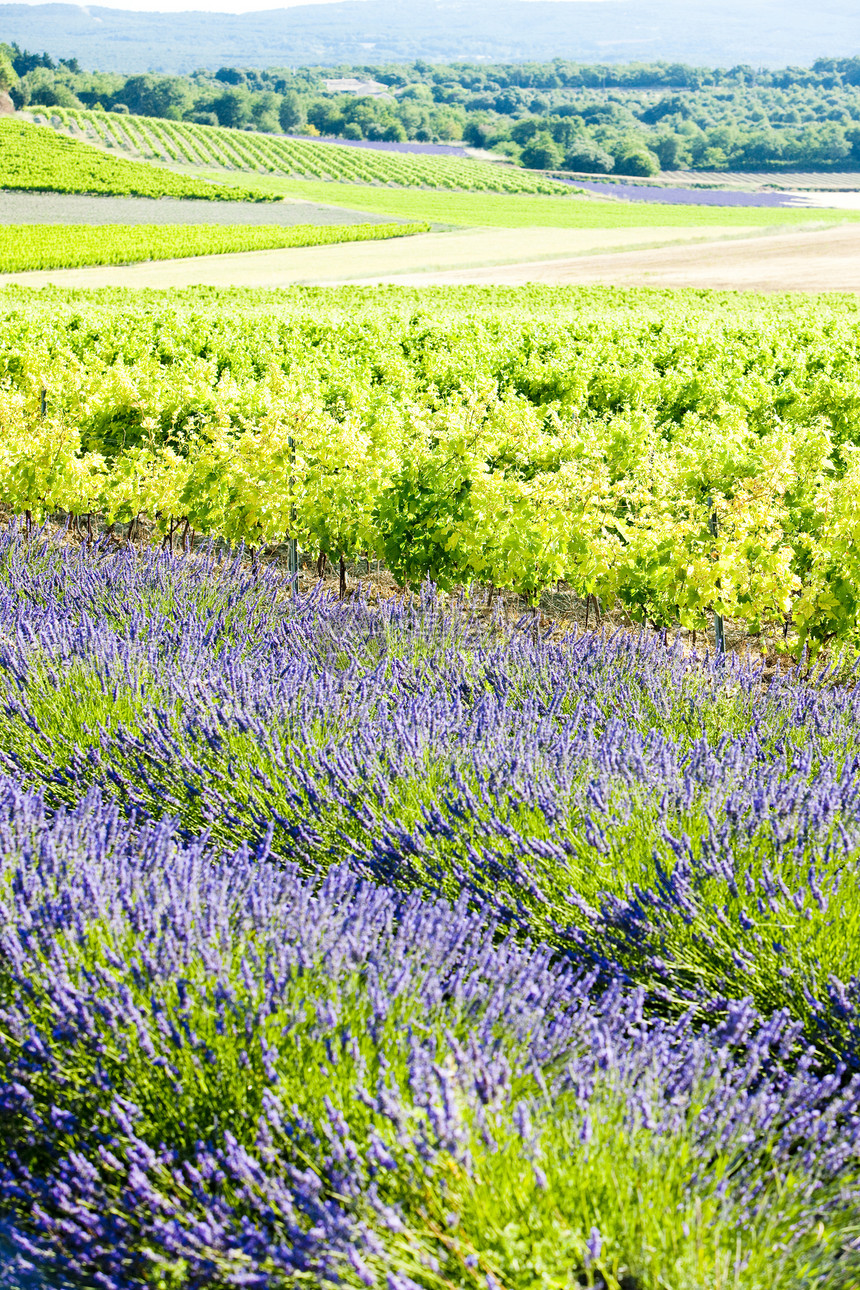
(761,33)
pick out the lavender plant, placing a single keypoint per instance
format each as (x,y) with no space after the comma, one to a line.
(611,798)
(352,944)
(217,1072)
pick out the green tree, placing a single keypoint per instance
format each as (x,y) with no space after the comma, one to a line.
(588,156)
(636,159)
(230,76)
(291,113)
(8,75)
(232,108)
(265,111)
(671,151)
(47,88)
(762,147)
(162,96)
(542,152)
(446,124)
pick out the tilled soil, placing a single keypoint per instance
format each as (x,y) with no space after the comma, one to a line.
(72,208)
(823,259)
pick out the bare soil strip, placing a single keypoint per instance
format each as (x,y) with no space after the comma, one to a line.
(821,260)
(72,208)
(469,253)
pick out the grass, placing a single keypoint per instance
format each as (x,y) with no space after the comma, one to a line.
(61,246)
(525,210)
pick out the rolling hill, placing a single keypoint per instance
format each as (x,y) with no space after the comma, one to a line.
(760,33)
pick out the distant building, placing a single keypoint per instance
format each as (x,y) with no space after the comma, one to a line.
(351,85)
(7,107)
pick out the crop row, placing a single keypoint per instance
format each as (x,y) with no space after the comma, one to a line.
(478,491)
(37,159)
(704,465)
(362,946)
(56,246)
(218,147)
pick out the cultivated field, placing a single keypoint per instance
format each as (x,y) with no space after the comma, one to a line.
(184,144)
(35,159)
(87,209)
(825,259)
(46,246)
(471,251)
(511,440)
(813,260)
(429,758)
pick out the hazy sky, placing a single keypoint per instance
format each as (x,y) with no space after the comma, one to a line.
(209,6)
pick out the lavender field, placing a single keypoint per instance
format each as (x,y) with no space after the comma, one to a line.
(382,944)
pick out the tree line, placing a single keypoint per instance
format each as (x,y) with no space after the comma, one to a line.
(636,118)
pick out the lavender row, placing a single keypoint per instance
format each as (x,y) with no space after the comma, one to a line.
(676,821)
(217,1072)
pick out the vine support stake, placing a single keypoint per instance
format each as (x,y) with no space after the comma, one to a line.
(43,403)
(719,625)
(292,545)
(293,562)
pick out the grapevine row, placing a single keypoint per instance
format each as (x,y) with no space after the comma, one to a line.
(48,246)
(36,159)
(220,147)
(480,493)
(511,438)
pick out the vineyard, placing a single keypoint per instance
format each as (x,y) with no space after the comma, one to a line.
(695,460)
(34,158)
(429,730)
(397,940)
(220,148)
(53,246)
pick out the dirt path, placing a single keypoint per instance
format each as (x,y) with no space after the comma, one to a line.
(821,260)
(462,255)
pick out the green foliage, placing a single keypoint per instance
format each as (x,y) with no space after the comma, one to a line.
(513,439)
(588,157)
(8,75)
(637,160)
(526,210)
(290,113)
(541,152)
(231,150)
(704,118)
(50,246)
(32,157)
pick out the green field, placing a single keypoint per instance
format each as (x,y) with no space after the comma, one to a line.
(63,246)
(509,210)
(441,191)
